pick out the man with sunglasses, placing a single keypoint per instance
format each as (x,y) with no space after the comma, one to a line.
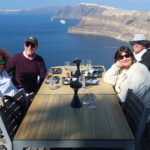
(27,66)
(141,51)
(140,46)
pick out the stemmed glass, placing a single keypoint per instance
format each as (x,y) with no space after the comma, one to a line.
(82,81)
(89,64)
(66,64)
(50,73)
(82,63)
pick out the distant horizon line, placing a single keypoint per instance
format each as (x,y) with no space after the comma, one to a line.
(88,4)
(92,4)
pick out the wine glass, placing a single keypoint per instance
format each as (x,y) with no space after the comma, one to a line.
(50,73)
(82,63)
(82,81)
(89,64)
(66,64)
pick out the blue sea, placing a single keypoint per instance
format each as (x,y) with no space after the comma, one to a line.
(56,46)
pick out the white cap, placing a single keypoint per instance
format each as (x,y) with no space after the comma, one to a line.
(139,37)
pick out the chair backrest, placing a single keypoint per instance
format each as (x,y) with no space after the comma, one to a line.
(136,114)
(11,116)
(21,97)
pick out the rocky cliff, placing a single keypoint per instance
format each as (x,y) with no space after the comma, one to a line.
(115,23)
(98,20)
(78,12)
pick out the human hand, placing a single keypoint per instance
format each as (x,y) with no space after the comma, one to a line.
(119,63)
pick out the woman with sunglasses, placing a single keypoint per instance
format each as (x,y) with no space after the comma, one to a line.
(6,85)
(127,73)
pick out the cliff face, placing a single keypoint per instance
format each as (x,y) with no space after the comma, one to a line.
(115,23)
(99,20)
(77,12)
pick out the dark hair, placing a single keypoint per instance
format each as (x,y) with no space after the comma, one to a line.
(145,44)
(4,56)
(125,50)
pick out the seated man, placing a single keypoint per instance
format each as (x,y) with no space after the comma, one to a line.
(140,46)
(27,66)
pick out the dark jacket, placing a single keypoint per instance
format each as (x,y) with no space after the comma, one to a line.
(146,59)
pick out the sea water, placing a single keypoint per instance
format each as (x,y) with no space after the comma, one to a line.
(56,46)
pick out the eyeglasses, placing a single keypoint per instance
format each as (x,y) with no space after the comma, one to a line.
(126,56)
(2,62)
(30,44)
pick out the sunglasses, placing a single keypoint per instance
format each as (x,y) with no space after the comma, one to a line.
(2,62)
(137,42)
(30,44)
(126,56)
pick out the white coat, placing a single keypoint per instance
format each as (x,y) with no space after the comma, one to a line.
(6,85)
(137,78)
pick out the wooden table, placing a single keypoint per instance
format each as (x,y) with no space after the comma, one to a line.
(51,122)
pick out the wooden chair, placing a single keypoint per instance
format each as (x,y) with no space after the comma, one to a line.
(137,115)
(11,115)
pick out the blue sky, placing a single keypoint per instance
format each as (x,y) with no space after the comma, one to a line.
(142,5)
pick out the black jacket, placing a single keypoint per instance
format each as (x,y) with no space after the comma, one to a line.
(146,59)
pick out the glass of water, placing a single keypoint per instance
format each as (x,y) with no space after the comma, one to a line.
(92,99)
(86,97)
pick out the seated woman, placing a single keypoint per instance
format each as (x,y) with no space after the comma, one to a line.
(127,73)
(6,85)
